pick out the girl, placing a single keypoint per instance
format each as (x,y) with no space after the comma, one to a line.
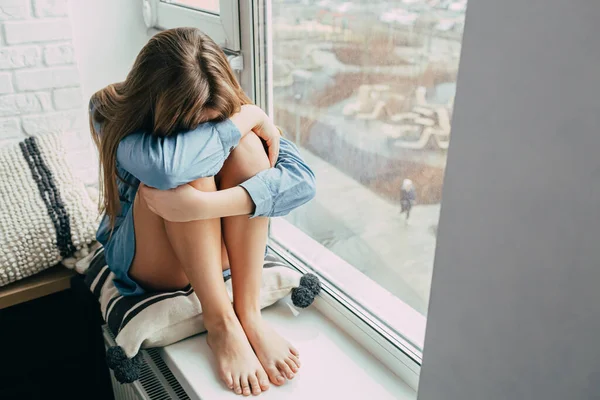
(181,124)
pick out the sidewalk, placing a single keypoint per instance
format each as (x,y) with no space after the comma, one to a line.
(368,232)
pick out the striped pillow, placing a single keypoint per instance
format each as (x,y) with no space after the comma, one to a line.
(46,214)
(160,318)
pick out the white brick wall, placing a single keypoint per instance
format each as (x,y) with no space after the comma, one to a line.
(20,57)
(10,128)
(51,8)
(14,9)
(46,78)
(40,89)
(6,85)
(24,103)
(36,30)
(61,121)
(69,98)
(59,54)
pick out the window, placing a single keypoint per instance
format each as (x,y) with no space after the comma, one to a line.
(217,18)
(366,90)
(211,6)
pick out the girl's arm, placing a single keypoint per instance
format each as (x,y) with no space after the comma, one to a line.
(186,203)
(273,192)
(165,163)
(277,191)
(168,162)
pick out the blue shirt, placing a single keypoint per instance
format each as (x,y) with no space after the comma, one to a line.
(168,162)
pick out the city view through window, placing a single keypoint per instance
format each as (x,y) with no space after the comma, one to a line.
(366,89)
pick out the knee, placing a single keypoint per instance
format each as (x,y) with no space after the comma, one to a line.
(250,156)
(205,184)
(245,161)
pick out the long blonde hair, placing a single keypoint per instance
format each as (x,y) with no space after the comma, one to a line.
(178,78)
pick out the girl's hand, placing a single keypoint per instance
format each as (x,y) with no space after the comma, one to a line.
(181,204)
(268,132)
(253,118)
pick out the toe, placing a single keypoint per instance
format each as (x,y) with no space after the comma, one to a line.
(275,376)
(227,380)
(285,369)
(292,365)
(296,360)
(294,351)
(237,388)
(254,386)
(245,386)
(263,380)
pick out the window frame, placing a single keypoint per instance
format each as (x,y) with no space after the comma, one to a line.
(223,28)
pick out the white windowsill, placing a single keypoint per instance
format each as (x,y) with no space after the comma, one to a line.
(389,308)
(333,364)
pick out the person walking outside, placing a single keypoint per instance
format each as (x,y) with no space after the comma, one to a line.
(408,197)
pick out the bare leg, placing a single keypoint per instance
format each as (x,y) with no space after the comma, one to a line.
(246,241)
(168,255)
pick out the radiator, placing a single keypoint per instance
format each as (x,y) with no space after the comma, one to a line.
(156,380)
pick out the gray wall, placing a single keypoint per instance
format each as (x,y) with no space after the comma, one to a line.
(515,301)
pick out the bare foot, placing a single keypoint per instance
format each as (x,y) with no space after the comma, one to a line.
(279,358)
(238,367)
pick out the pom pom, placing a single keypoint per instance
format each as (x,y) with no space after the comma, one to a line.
(138,360)
(305,293)
(127,372)
(115,356)
(311,282)
(302,297)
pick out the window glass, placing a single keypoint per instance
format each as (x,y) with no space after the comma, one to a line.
(211,6)
(366,89)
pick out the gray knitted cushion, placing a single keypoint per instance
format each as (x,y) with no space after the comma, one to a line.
(46,214)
